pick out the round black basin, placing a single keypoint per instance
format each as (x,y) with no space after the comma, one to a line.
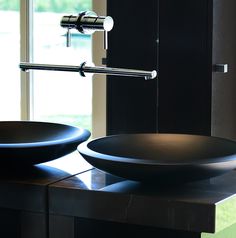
(164,158)
(29,142)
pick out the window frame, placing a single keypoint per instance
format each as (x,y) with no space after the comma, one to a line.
(99,121)
(26,55)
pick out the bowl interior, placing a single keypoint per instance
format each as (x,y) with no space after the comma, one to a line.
(31,132)
(165,148)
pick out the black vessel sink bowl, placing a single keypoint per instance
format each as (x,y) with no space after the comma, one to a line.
(161,158)
(28,142)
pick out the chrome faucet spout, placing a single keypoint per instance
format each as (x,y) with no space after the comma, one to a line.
(83,68)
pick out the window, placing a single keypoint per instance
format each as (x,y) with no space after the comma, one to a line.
(45,95)
(9,60)
(60,96)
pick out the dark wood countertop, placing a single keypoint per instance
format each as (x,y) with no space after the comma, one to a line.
(27,188)
(69,186)
(204,206)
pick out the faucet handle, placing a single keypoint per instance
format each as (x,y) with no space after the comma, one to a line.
(105,40)
(68,38)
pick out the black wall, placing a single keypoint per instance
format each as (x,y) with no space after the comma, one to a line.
(132,102)
(175,38)
(185,66)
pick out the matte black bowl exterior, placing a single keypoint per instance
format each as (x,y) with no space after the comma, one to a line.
(29,142)
(161,158)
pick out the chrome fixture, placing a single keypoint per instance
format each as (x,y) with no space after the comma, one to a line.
(83,68)
(221,68)
(87,22)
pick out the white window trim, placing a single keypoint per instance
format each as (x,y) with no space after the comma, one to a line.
(99,82)
(26,55)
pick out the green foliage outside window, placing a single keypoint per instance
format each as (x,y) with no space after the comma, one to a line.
(12,5)
(50,6)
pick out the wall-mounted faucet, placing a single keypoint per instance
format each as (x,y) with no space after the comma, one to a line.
(87,22)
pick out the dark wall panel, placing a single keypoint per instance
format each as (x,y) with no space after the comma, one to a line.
(175,37)
(132,102)
(224,85)
(185,66)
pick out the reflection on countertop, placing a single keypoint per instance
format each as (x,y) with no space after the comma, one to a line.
(203,206)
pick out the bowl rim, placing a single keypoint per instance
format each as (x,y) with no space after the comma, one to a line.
(78,135)
(85,151)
